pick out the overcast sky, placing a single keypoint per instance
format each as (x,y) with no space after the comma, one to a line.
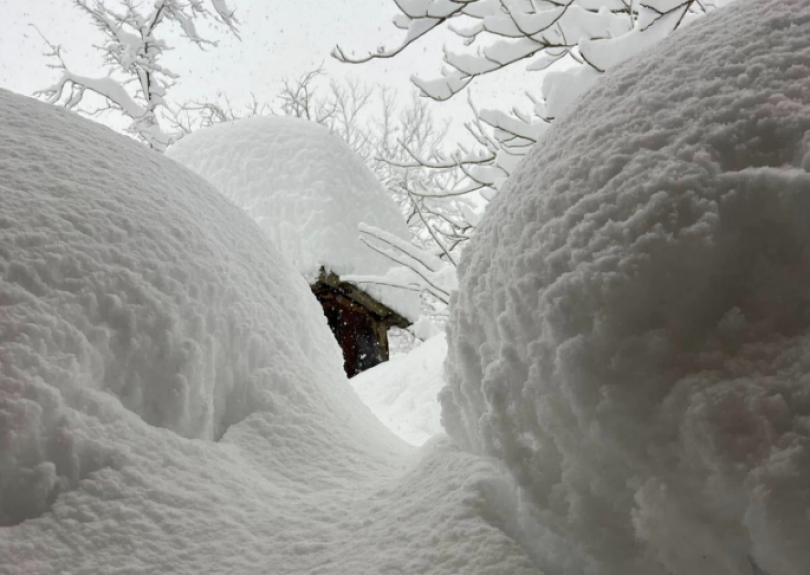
(279,38)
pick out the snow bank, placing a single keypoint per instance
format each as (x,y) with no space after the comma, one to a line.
(142,314)
(307,190)
(125,276)
(631,332)
(403,392)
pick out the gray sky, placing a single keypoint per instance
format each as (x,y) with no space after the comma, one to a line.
(279,38)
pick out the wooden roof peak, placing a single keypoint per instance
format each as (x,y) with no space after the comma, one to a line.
(330,282)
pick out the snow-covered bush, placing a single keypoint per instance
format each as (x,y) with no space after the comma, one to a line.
(307,190)
(127,280)
(632,331)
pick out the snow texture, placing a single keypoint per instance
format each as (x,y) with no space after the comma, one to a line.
(631,333)
(143,315)
(403,392)
(307,190)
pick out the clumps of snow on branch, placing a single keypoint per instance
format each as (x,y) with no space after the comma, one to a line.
(574,42)
(132,51)
(308,191)
(544,32)
(631,331)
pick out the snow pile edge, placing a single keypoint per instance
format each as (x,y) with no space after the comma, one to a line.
(631,333)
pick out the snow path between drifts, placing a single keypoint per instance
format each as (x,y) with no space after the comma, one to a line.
(403,392)
(278,497)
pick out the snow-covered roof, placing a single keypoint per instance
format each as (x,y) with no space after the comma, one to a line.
(307,190)
(141,317)
(632,327)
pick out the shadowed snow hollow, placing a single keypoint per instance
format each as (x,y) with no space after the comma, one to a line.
(141,312)
(631,335)
(307,190)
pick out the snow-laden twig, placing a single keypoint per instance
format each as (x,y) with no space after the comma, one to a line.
(429,273)
(592,35)
(136,82)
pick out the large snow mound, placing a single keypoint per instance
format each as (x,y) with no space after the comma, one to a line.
(141,314)
(632,331)
(307,190)
(403,393)
(123,275)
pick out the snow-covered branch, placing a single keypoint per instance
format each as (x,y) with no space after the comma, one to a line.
(589,36)
(136,82)
(418,18)
(423,271)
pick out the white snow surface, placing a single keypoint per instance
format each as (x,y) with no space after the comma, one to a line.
(631,335)
(307,190)
(403,393)
(141,317)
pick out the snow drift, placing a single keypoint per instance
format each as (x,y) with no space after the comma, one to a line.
(141,315)
(307,190)
(403,392)
(125,276)
(631,336)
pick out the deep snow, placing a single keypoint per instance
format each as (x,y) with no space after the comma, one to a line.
(142,318)
(630,335)
(403,393)
(307,190)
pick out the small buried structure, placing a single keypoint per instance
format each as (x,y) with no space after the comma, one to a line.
(359,322)
(309,192)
